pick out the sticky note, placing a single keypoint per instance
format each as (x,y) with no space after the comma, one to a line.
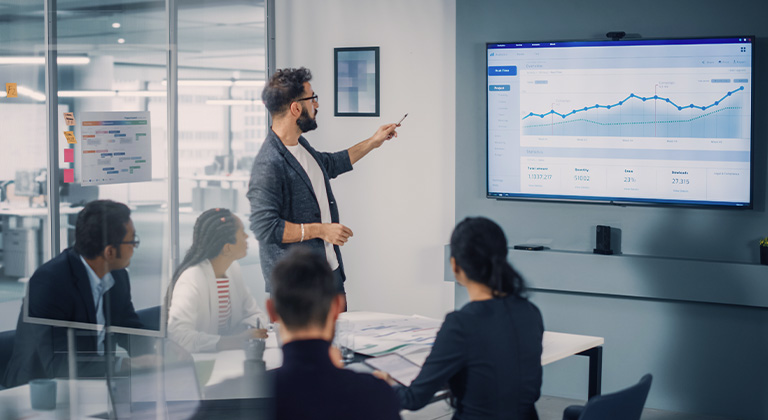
(70,137)
(69,118)
(10,90)
(69,155)
(69,176)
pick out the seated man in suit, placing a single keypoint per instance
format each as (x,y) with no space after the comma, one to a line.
(311,383)
(85,284)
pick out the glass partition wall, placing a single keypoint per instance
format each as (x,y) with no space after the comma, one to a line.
(193,70)
(112,57)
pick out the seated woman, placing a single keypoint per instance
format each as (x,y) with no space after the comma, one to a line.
(489,352)
(210,308)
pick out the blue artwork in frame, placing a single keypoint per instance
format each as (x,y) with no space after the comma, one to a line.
(356,82)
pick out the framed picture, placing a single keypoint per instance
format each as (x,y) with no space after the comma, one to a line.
(356,82)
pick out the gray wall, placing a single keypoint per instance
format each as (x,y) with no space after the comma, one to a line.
(707,355)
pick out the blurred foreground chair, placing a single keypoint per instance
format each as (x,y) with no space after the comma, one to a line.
(626,404)
(150,317)
(6,350)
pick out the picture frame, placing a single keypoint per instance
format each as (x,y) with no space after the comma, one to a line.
(356,82)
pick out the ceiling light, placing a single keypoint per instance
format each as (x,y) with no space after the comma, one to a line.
(210,83)
(116,25)
(121,41)
(38,96)
(86,93)
(217,82)
(142,93)
(41,60)
(256,83)
(230,102)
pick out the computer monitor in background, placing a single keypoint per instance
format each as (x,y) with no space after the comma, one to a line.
(245,163)
(26,183)
(223,163)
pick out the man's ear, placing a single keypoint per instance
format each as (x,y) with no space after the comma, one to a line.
(295,109)
(109,253)
(273,316)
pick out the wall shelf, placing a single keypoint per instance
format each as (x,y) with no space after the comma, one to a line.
(638,276)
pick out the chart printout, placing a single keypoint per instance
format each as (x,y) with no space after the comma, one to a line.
(115,147)
(659,121)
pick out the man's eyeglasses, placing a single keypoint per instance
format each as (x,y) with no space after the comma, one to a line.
(135,242)
(313,98)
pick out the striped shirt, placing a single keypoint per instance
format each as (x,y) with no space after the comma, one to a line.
(225,303)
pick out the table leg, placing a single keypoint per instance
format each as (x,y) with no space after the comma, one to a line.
(595,355)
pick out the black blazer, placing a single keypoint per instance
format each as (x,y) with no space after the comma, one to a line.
(280,191)
(489,354)
(309,387)
(60,290)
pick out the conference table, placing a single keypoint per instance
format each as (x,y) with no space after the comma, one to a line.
(228,365)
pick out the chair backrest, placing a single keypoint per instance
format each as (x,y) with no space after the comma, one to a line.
(150,317)
(626,404)
(6,350)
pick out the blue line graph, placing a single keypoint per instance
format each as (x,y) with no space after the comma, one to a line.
(642,116)
(642,98)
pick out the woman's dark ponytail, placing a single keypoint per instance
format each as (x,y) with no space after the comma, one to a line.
(498,273)
(479,247)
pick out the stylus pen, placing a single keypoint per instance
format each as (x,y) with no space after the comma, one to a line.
(401,119)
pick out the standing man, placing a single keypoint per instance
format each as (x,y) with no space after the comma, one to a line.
(290,190)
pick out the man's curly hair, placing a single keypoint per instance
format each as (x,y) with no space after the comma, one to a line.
(284,87)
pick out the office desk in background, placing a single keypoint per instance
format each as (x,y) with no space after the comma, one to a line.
(25,246)
(218,190)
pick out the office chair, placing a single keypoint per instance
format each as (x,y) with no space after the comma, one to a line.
(626,404)
(150,317)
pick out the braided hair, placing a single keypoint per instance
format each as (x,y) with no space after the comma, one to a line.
(479,247)
(213,229)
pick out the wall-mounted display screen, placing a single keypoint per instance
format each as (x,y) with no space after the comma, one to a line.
(635,121)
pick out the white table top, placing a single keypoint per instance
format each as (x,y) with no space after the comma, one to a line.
(90,394)
(558,346)
(229,364)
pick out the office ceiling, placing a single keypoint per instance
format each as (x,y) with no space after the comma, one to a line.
(213,34)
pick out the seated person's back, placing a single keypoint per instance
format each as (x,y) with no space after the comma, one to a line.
(494,348)
(489,352)
(311,383)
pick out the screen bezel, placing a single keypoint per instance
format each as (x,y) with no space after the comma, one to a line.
(624,201)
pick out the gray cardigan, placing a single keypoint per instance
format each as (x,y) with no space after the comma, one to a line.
(281,191)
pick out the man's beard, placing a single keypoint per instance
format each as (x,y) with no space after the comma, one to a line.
(306,123)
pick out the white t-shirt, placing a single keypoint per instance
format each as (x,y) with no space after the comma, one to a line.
(315,175)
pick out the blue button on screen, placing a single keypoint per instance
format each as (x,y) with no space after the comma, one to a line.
(502,71)
(498,88)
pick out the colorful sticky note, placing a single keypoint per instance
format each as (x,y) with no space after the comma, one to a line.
(10,90)
(69,155)
(70,137)
(69,118)
(69,176)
